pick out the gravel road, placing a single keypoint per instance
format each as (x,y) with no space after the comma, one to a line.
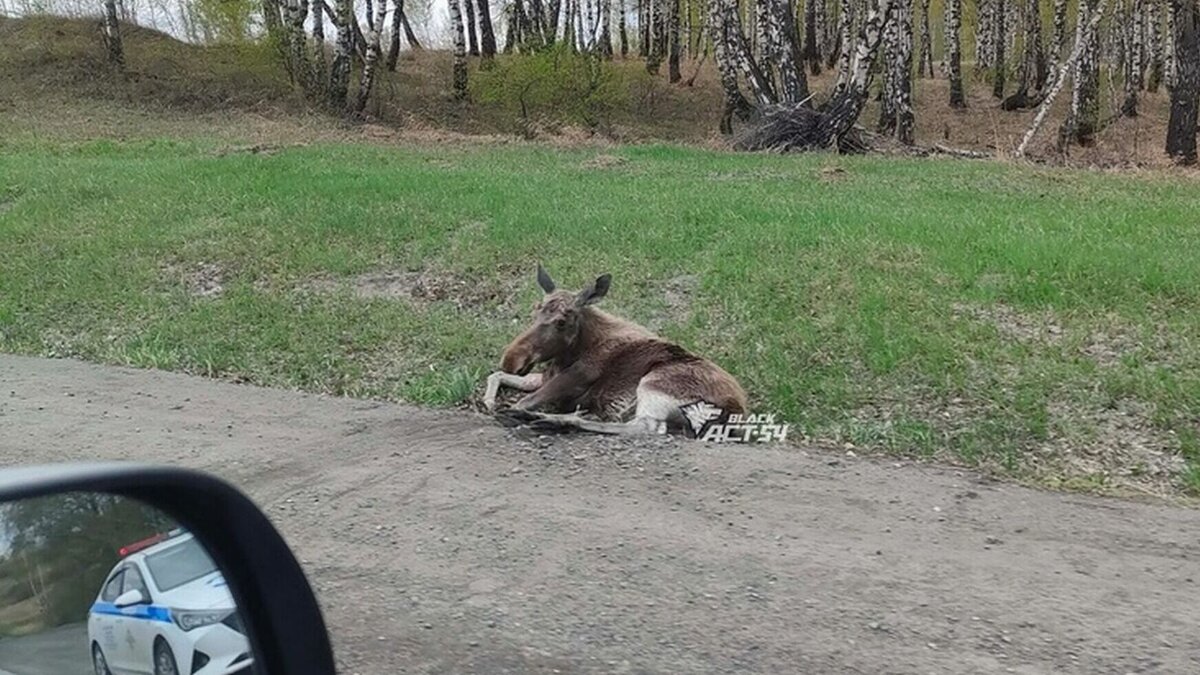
(438,541)
(59,651)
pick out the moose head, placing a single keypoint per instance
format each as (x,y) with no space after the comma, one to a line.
(558,321)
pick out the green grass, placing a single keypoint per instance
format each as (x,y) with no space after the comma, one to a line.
(926,308)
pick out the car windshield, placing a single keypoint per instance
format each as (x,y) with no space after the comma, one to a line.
(179,564)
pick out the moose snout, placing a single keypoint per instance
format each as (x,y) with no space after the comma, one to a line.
(517,361)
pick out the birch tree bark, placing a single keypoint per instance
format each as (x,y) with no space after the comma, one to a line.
(621,28)
(1185,95)
(723,48)
(673,74)
(925,55)
(1170,74)
(1154,20)
(887,93)
(605,46)
(843,111)
(472,42)
(999,39)
(1131,63)
(487,33)
(316,10)
(845,46)
(985,35)
(954,52)
(786,38)
(367,81)
(459,77)
(812,50)
(295,13)
(339,72)
(1084,116)
(1032,61)
(1083,35)
(903,71)
(112,36)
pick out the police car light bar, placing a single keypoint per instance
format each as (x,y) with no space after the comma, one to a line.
(148,542)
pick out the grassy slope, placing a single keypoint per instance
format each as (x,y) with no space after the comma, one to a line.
(1035,321)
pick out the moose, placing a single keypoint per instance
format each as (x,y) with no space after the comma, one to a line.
(630,380)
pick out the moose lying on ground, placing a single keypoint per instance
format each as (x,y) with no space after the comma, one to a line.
(633,381)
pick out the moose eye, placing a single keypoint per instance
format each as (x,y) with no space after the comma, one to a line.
(560,324)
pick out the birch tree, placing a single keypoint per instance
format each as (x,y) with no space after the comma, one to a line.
(1154,52)
(897,111)
(1030,74)
(1057,42)
(845,46)
(400,22)
(606,48)
(317,11)
(724,48)
(459,77)
(1169,54)
(339,72)
(112,36)
(673,74)
(812,49)
(954,52)
(371,61)
(1131,63)
(472,41)
(1185,95)
(487,33)
(925,55)
(622,30)
(1083,35)
(786,126)
(1083,119)
(999,38)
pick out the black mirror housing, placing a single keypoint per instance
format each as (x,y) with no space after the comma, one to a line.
(286,629)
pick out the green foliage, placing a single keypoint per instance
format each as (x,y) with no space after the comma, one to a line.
(557,86)
(62,546)
(222,20)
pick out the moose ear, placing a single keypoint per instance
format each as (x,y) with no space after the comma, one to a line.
(593,293)
(544,280)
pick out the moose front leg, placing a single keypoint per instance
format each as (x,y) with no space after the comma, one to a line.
(499,379)
(562,392)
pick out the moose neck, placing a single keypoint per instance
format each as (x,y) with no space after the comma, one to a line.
(597,331)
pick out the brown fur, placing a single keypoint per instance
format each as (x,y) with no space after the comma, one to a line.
(595,361)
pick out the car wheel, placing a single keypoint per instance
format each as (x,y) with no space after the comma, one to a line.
(164,659)
(99,663)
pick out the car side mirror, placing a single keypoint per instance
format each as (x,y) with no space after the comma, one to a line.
(129,598)
(208,557)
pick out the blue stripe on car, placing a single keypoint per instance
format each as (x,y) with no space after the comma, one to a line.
(145,612)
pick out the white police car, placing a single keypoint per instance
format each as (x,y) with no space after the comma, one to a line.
(165,610)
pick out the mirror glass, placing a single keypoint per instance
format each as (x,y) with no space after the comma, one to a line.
(95,583)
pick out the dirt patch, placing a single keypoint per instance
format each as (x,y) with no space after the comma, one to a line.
(678,294)
(423,287)
(1116,446)
(604,162)
(266,149)
(200,280)
(832,174)
(1023,327)
(1107,348)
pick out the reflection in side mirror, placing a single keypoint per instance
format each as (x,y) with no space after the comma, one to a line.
(133,597)
(92,582)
